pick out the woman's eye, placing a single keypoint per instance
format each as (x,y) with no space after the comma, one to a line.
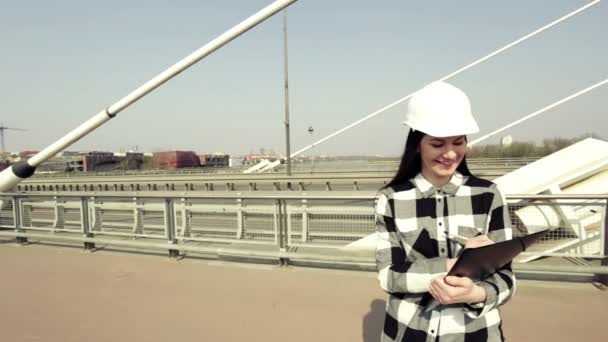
(437,146)
(458,143)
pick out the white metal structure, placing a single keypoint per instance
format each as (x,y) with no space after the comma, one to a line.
(13,175)
(560,169)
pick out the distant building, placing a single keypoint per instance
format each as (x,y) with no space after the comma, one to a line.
(215,160)
(175,159)
(108,161)
(133,161)
(70,154)
(63,163)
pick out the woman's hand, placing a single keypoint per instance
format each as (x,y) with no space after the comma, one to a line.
(449,290)
(478,241)
(450,263)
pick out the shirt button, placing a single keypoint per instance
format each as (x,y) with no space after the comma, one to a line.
(439,200)
(440,223)
(432,331)
(443,250)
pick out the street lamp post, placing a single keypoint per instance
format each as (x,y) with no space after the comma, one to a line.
(288,152)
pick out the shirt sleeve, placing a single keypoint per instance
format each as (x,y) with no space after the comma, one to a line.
(396,273)
(500,286)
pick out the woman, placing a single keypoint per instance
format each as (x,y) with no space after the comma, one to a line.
(432,199)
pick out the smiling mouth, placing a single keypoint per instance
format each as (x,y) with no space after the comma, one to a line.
(444,163)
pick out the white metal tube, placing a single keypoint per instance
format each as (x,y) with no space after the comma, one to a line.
(210,47)
(8,179)
(163,77)
(77,133)
(257,166)
(540,111)
(270,166)
(480,60)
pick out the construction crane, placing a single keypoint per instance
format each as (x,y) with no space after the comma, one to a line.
(2,129)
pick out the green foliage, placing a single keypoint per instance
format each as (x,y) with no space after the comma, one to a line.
(525,149)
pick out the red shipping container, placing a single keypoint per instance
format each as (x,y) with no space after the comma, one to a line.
(176,159)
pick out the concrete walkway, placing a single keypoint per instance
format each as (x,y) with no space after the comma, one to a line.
(51,293)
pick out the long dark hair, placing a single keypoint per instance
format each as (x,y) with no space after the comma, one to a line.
(411,163)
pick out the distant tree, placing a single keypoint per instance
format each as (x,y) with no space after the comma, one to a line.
(519,149)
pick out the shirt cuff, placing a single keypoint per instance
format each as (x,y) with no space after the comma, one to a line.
(477,310)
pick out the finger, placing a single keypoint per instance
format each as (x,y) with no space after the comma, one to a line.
(441,285)
(478,243)
(439,293)
(438,281)
(445,291)
(434,294)
(485,239)
(458,281)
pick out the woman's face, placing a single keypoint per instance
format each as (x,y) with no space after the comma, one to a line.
(441,156)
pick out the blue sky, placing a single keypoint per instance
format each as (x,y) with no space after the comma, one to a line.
(63,61)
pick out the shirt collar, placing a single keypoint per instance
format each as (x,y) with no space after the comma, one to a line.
(427,189)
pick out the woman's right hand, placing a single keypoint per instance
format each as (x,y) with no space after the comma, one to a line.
(450,263)
(478,241)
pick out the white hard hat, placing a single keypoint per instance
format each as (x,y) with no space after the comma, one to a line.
(441,110)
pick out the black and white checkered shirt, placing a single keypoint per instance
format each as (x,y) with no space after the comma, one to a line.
(411,221)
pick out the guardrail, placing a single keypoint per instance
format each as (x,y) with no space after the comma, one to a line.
(305,166)
(294,226)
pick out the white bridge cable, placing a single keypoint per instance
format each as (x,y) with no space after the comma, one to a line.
(538,112)
(478,61)
(111,111)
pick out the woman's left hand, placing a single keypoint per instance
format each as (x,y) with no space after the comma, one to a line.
(449,290)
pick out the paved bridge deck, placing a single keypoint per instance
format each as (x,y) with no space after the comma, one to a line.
(65,294)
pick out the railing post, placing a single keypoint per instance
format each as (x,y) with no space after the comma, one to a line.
(304,220)
(185,218)
(95,215)
(17,214)
(288,228)
(239,218)
(170,227)
(138,226)
(282,206)
(85,223)
(277,222)
(604,232)
(55,213)
(603,241)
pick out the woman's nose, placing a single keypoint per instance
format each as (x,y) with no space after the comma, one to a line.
(449,154)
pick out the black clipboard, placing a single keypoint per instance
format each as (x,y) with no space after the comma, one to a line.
(481,262)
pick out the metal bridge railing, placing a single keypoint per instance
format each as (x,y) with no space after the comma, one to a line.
(278,226)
